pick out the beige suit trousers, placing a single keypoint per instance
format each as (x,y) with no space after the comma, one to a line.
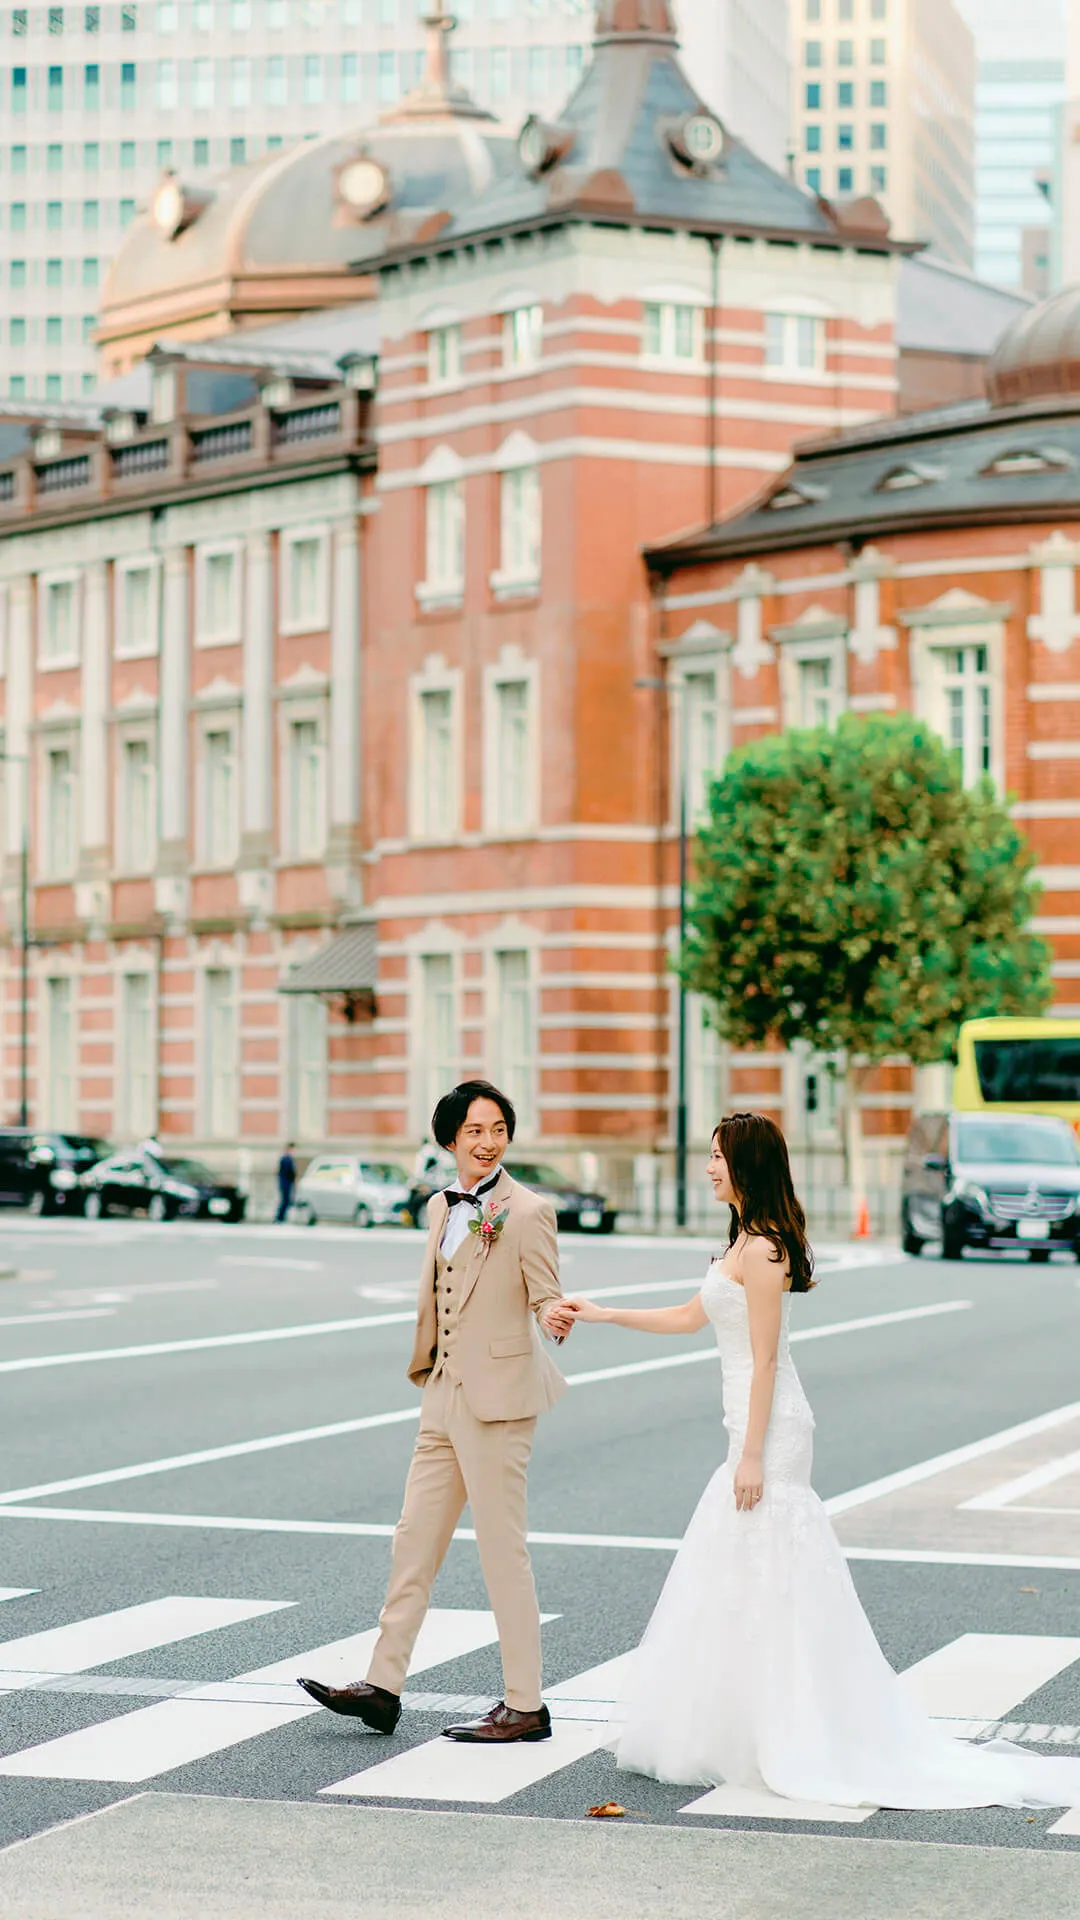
(485,1462)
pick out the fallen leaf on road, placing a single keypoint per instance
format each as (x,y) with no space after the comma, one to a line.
(611,1810)
(1029,1589)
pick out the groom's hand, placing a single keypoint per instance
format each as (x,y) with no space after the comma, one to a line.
(557,1318)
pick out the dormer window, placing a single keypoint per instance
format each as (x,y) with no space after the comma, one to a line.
(1029,460)
(805,494)
(903,479)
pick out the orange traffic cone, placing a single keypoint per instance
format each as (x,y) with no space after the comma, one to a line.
(862,1221)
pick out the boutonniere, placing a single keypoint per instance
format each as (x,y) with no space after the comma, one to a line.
(491,1225)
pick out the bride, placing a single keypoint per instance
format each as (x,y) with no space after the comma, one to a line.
(759,1667)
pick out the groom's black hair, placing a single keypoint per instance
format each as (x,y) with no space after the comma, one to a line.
(449,1116)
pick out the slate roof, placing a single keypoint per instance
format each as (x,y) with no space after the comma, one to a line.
(941,308)
(956,466)
(347,964)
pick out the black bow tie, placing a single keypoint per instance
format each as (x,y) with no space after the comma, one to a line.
(454,1198)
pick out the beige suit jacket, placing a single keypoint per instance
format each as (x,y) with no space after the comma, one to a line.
(505,1373)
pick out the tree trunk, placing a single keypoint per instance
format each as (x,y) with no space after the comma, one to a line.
(854,1156)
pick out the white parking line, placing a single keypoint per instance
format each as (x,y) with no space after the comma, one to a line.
(153,1349)
(1032,1482)
(956,1457)
(37,1319)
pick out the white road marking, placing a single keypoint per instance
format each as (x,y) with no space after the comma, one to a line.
(260,1260)
(937,1557)
(1011,1490)
(117,1636)
(956,1457)
(1069,1822)
(152,1349)
(20,1495)
(981,1676)
(37,1319)
(442,1770)
(16,1593)
(174,1733)
(745,1804)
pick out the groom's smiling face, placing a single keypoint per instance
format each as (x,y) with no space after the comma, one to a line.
(482,1139)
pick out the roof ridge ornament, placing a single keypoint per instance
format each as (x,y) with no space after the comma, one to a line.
(436,95)
(635,20)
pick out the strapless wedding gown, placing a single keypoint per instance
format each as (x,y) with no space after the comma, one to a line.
(759,1667)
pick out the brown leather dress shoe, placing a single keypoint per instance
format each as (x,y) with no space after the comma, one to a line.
(378,1709)
(503,1724)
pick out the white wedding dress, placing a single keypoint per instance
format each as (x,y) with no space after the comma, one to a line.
(759,1667)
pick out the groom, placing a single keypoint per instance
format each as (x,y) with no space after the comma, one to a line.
(491,1265)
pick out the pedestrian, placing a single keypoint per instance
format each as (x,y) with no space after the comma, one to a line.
(759,1664)
(491,1268)
(286,1179)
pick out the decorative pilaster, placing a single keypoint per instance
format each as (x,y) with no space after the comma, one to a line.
(345,645)
(93,754)
(173,754)
(1057,624)
(751,651)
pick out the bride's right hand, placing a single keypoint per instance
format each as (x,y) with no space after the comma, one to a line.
(585,1309)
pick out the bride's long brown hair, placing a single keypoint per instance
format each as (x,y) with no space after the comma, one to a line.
(757,1160)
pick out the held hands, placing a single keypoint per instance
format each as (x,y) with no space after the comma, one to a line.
(558,1318)
(749,1482)
(582,1309)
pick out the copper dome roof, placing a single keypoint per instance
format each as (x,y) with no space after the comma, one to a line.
(1040,353)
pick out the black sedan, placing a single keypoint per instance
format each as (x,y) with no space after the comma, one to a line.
(161,1187)
(1003,1180)
(577,1212)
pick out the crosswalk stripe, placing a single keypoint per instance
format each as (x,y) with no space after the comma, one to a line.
(16,1593)
(445,1770)
(117,1636)
(983,1676)
(1069,1822)
(747,1804)
(173,1733)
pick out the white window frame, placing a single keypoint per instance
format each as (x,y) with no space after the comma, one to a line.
(430,1077)
(797,654)
(303,1125)
(130,1121)
(230,633)
(124,647)
(216,721)
(422,826)
(442,478)
(215,1125)
(497,820)
(444,334)
(927,643)
(53,742)
(521,1080)
(784,318)
(292,622)
(62,577)
(715,663)
(665,355)
(59,1114)
(523,335)
(127,855)
(294,713)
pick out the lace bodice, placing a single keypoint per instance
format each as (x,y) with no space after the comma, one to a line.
(789,1442)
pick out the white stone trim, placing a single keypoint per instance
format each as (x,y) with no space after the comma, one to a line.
(288,541)
(232,633)
(148,562)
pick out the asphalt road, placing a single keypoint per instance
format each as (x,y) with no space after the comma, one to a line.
(143,1338)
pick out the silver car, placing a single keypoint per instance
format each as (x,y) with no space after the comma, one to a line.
(341,1187)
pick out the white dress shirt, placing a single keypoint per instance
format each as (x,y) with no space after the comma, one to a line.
(456,1229)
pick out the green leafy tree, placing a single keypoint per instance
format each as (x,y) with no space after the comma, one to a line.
(852,893)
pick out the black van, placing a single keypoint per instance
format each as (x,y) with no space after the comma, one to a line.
(991,1180)
(42,1171)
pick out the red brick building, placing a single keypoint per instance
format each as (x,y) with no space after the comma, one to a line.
(362,654)
(926,563)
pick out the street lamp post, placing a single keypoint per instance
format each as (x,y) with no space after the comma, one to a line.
(22,760)
(657,685)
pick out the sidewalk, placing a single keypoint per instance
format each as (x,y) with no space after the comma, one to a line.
(178,1857)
